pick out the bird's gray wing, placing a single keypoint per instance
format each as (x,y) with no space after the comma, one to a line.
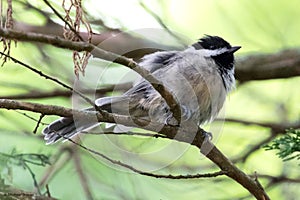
(142,97)
(157,60)
(133,102)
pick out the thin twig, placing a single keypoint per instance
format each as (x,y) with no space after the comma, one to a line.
(22,161)
(278,179)
(36,185)
(252,149)
(50,78)
(63,19)
(48,190)
(161,23)
(38,123)
(29,117)
(119,163)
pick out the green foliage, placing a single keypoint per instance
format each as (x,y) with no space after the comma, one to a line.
(256,25)
(288,145)
(7,161)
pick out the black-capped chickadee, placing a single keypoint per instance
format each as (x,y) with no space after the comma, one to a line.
(199,77)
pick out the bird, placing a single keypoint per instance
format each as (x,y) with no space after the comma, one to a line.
(199,77)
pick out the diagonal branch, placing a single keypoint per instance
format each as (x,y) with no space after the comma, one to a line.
(161,23)
(48,77)
(99,53)
(214,154)
(249,151)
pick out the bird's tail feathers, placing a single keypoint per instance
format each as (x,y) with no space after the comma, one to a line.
(68,127)
(118,104)
(65,128)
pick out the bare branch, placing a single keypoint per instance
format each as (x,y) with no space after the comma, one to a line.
(7,24)
(279,179)
(259,67)
(116,41)
(67,112)
(276,128)
(39,94)
(119,163)
(34,107)
(97,52)
(170,131)
(38,123)
(283,64)
(251,149)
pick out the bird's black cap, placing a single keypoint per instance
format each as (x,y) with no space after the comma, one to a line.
(211,42)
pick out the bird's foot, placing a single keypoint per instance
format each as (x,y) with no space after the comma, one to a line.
(207,136)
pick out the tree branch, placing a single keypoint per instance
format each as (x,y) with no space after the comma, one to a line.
(280,65)
(40,94)
(276,128)
(171,132)
(279,179)
(116,41)
(119,163)
(99,53)
(283,64)
(250,149)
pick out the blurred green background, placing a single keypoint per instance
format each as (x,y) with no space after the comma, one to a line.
(258,26)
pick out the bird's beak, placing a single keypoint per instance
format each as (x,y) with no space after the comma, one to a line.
(234,49)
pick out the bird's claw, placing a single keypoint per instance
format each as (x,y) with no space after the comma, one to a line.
(207,136)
